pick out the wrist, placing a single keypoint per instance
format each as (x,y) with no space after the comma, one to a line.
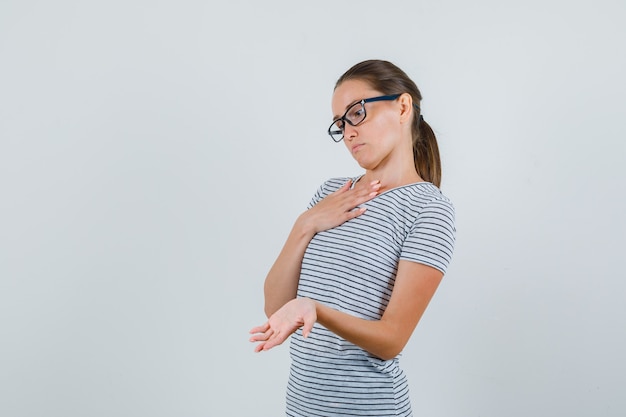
(304,227)
(319,307)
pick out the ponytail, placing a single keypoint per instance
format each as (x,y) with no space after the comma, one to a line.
(426,151)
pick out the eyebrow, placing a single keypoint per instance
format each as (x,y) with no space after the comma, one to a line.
(335,117)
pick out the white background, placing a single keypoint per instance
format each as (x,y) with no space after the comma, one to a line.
(154,155)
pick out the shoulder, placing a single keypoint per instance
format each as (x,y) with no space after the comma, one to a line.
(422,196)
(421,204)
(436,198)
(436,214)
(432,234)
(437,205)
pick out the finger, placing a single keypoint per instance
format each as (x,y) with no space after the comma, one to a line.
(277,339)
(364,198)
(370,191)
(345,187)
(260,329)
(349,202)
(366,191)
(307,327)
(273,333)
(355,213)
(372,186)
(260,337)
(270,344)
(364,194)
(309,319)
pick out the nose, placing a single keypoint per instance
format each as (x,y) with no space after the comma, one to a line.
(349,132)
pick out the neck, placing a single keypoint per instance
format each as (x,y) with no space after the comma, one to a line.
(396,169)
(393,179)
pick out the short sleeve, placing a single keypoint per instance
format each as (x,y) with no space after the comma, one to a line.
(317,197)
(432,236)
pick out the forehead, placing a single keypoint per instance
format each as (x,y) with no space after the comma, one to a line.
(349,92)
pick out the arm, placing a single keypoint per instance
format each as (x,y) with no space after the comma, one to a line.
(414,288)
(281,283)
(385,338)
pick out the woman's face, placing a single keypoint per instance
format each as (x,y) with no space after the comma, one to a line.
(375,140)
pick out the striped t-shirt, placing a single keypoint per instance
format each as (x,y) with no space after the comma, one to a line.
(352,268)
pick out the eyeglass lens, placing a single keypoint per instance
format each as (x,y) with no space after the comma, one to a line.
(354,115)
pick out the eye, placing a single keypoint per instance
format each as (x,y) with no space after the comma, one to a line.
(355,113)
(338,125)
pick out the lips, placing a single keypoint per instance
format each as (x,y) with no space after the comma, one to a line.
(356,147)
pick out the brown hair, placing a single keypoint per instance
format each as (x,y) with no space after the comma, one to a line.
(389,79)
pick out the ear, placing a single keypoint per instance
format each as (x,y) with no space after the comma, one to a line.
(406,107)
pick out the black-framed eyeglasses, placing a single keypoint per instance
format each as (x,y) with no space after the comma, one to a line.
(354,116)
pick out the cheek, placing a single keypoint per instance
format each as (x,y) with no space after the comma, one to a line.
(383,121)
(381,131)
(389,127)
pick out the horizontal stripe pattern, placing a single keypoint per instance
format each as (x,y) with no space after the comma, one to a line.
(352,268)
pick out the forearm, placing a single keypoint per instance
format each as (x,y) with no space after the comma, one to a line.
(281,283)
(414,287)
(381,338)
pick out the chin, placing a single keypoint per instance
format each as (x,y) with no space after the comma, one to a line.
(366,165)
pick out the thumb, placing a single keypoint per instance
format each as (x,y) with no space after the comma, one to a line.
(346,186)
(309,321)
(306,329)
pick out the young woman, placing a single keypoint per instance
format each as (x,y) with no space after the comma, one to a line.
(363,261)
